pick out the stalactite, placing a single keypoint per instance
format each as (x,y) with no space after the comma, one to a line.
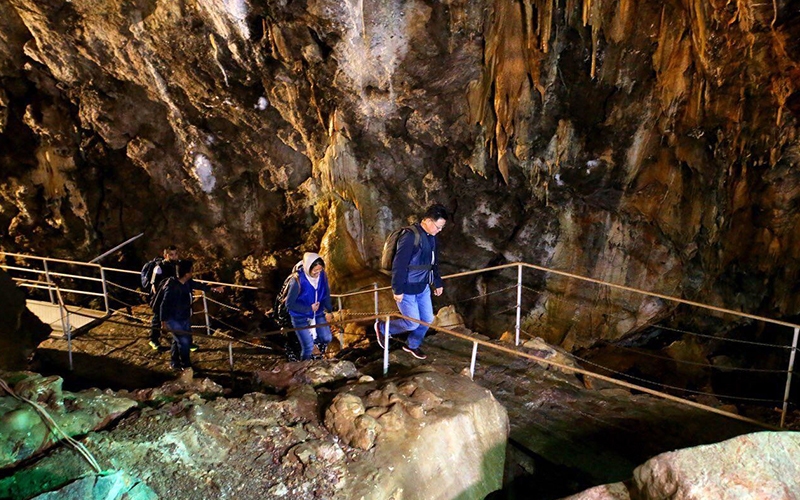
(509,62)
(545,27)
(587,8)
(591,17)
(781,89)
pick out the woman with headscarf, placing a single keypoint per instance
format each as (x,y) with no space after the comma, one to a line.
(308,300)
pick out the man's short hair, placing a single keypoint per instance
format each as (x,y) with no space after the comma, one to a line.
(435,212)
(184,267)
(170,248)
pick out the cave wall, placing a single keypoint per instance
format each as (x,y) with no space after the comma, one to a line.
(649,144)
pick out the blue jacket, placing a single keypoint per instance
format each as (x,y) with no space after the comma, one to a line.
(177,302)
(407,279)
(301,295)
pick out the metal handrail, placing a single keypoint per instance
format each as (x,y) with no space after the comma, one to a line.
(597,282)
(229,285)
(519,265)
(50,286)
(50,259)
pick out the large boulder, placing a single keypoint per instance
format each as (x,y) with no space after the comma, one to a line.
(759,466)
(20,330)
(434,436)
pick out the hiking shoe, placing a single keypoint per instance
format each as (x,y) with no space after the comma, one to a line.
(417,353)
(379,336)
(194,347)
(154,345)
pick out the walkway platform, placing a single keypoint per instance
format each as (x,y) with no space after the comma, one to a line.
(79,317)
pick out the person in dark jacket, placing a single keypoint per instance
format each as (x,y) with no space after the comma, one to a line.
(165,268)
(414,270)
(176,312)
(308,300)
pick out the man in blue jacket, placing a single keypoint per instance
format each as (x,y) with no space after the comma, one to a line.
(176,312)
(415,269)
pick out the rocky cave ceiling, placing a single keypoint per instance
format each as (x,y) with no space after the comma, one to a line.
(650,144)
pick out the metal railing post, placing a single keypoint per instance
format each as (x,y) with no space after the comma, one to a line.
(474,358)
(205,311)
(47,277)
(519,304)
(65,326)
(69,343)
(105,288)
(386,346)
(789,376)
(375,292)
(230,354)
(339,302)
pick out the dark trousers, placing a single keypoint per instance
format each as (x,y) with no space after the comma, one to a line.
(180,343)
(155,326)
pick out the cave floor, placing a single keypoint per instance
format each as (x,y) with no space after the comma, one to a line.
(561,431)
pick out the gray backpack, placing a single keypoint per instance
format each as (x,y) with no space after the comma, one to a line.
(390,247)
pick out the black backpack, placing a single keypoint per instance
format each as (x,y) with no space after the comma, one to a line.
(147,273)
(280,314)
(390,247)
(280,311)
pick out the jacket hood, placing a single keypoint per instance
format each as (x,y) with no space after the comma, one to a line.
(308,259)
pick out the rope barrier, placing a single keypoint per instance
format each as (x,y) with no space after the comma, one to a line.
(694,363)
(514,287)
(54,427)
(748,342)
(222,304)
(651,382)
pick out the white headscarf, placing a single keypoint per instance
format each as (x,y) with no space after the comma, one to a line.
(308,259)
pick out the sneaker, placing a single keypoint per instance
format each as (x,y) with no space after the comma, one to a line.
(154,345)
(379,336)
(417,353)
(194,347)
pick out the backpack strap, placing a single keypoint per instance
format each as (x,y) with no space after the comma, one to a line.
(417,238)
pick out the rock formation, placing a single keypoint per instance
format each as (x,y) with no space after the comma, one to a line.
(37,414)
(441,436)
(648,144)
(20,330)
(761,465)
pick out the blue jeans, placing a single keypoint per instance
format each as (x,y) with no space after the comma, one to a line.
(180,343)
(417,306)
(306,340)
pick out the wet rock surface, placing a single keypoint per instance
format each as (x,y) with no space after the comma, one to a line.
(114,486)
(27,432)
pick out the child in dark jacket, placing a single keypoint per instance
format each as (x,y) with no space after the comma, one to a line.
(176,312)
